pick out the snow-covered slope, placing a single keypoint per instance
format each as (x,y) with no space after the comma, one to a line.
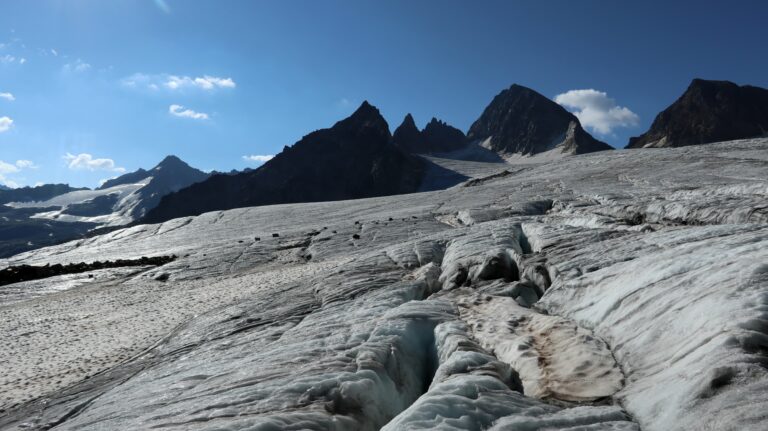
(116,211)
(618,290)
(31,218)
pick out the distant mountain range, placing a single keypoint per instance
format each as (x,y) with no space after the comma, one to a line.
(353,159)
(358,157)
(32,194)
(32,217)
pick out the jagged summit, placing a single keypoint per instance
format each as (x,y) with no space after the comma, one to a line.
(366,116)
(708,111)
(407,136)
(437,137)
(520,120)
(409,122)
(171,161)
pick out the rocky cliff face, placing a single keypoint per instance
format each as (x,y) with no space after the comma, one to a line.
(708,111)
(520,120)
(353,159)
(437,137)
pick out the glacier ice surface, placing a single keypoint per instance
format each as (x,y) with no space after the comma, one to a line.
(622,290)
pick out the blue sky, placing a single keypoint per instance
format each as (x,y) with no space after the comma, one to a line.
(89,88)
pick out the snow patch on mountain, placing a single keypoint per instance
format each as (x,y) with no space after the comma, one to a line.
(126,196)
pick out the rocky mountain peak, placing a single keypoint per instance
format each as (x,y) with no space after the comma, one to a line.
(365,117)
(407,136)
(708,111)
(520,120)
(437,137)
(408,122)
(172,162)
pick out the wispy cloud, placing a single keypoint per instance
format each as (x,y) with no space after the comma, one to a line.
(261,158)
(205,82)
(77,66)
(8,168)
(85,161)
(596,111)
(26,164)
(5,169)
(177,82)
(5,124)
(13,168)
(7,96)
(11,49)
(163,6)
(180,111)
(7,59)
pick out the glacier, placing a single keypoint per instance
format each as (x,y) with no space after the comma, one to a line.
(622,290)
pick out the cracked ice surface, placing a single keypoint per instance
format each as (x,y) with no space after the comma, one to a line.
(554,356)
(619,291)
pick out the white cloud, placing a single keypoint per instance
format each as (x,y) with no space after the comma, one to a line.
(9,169)
(597,111)
(8,183)
(176,82)
(5,124)
(205,82)
(259,158)
(7,96)
(54,52)
(7,58)
(85,161)
(135,80)
(22,60)
(26,164)
(5,169)
(77,66)
(179,111)
(12,168)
